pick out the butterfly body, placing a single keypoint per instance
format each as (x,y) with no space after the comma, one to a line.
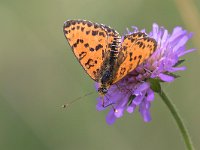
(102,52)
(109,68)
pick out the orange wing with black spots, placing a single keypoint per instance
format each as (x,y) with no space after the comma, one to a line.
(90,43)
(136,48)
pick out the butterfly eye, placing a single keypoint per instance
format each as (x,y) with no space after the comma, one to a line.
(102,90)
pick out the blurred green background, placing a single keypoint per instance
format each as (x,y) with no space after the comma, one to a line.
(38,73)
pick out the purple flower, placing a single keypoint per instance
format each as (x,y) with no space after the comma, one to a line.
(135,89)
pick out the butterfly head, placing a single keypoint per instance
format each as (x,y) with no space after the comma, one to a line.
(102,90)
(105,82)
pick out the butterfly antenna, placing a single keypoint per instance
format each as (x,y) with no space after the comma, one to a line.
(77,99)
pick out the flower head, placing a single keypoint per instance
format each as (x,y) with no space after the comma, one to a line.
(135,89)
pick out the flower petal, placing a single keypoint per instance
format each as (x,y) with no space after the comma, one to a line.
(119,112)
(141,88)
(131,108)
(165,77)
(174,69)
(150,95)
(135,29)
(144,111)
(146,115)
(185,52)
(138,99)
(99,105)
(110,118)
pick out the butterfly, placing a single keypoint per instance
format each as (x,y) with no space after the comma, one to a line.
(104,54)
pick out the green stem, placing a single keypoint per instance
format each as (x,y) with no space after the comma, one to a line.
(179,121)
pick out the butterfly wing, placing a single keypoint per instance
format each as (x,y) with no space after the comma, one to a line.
(136,48)
(90,43)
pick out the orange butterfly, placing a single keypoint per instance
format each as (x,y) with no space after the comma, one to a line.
(104,55)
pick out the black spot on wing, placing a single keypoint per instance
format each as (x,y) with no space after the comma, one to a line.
(73,22)
(87,32)
(66,32)
(82,55)
(102,34)
(141,44)
(91,49)
(124,48)
(89,63)
(74,45)
(130,56)
(82,29)
(67,24)
(81,40)
(132,40)
(99,46)
(89,24)
(96,26)
(122,71)
(78,27)
(94,33)
(77,42)
(139,59)
(86,45)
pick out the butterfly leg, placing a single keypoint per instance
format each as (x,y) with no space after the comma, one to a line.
(147,70)
(103,101)
(119,88)
(111,104)
(114,109)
